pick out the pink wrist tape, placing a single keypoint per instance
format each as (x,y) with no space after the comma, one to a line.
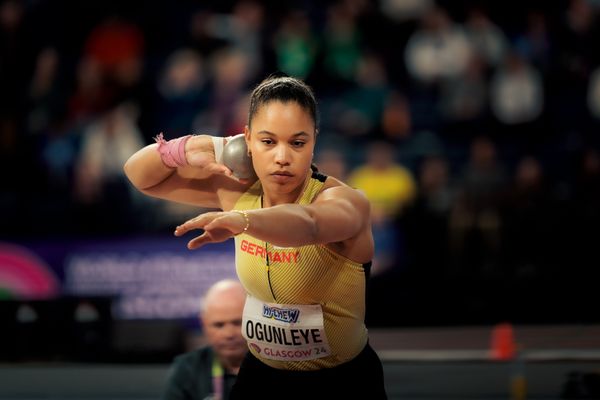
(172,152)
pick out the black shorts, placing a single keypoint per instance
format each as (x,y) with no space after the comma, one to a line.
(359,378)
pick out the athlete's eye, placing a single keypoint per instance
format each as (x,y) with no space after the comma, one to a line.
(298,143)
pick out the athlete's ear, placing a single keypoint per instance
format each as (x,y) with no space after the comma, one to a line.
(247,137)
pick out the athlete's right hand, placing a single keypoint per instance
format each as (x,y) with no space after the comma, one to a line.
(200,152)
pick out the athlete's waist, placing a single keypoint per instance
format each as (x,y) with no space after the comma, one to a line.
(336,360)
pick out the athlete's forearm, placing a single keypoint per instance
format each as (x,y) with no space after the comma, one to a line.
(340,214)
(147,168)
(287,225)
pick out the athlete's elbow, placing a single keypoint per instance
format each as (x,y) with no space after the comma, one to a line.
(132,176)
(128,170)
(135,174)
(305,231)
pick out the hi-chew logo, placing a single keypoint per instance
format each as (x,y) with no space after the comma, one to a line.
(289,315)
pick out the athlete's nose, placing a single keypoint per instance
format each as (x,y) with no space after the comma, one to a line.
(281,155)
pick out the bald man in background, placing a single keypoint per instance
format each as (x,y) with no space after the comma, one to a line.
(210,371)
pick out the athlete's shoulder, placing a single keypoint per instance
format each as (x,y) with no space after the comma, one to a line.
(336,188)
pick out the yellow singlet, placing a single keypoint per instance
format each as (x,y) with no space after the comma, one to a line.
(311,274)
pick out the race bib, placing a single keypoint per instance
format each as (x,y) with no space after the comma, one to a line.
(286,332)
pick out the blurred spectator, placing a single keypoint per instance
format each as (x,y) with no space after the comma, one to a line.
(12,53)
(342,45)
(464,100)
(516,91)
(577,34)
(100,186)
(587,181)
(396,122)
(228,84)
(403,10)
(58,151)
(593,94)
(535,43)
(202,32)
(243,29)
(426,220)
(357,111)
(90,97)
(181,92)
(488,41)
(117,46)
(210,371)
(31,137)
(438,49)
(332,162)
(475,220)
(420,145)
(585,215)
(391,188)
(45,97)
(527,216)
(436,189)
(295,44)
(239,115)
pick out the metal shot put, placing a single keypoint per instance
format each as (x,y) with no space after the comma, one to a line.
(236,158)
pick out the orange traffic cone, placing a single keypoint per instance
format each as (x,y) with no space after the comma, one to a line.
(503,345)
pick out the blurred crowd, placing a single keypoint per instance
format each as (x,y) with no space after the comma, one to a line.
(471,125)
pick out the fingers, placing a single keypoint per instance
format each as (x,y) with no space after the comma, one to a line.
(223,170)
(179,231)
(198,242)
(182,229)
(195,223)
(219,169)
(213,225)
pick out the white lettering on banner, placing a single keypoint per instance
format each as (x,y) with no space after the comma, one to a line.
(291,332)
(157,307)
(157,285)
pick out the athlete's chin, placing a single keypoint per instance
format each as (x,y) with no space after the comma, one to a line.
(282,186)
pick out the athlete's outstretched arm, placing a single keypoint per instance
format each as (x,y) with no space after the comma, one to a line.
(338,213)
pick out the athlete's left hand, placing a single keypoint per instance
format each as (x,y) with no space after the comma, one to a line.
(218,226)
